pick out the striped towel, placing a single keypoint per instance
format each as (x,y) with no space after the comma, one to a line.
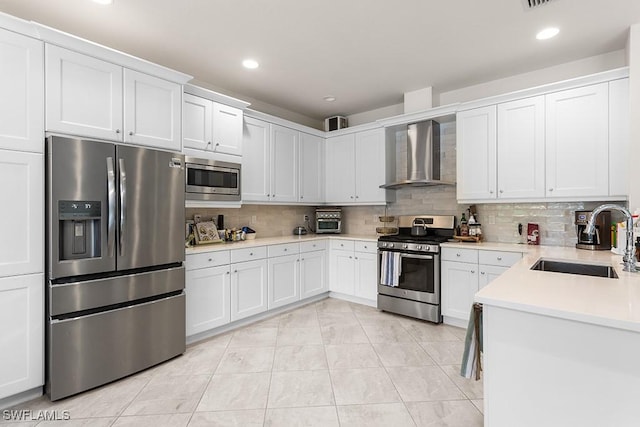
(471,363)
(390,269)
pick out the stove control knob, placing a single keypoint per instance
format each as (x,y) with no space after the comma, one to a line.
(391,245)
(405,246)
(383,244)
(418,248)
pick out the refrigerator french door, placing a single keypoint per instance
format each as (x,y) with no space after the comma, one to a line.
(115,274)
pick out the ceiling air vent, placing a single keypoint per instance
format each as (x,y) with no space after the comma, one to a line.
(534,4)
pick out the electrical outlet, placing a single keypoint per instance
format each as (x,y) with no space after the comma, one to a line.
(254,219)
(305,217)
(492,219)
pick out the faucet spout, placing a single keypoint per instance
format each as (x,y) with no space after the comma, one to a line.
(629,258)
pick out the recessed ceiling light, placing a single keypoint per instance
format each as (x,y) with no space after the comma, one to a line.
(103,1)
(547,33)
(329,98)
(250,63)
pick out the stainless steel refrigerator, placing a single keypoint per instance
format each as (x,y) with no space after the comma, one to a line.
(115,274)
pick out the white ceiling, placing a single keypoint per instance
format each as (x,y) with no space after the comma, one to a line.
(366,53)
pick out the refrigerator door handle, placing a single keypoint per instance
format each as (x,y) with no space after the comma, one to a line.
(111,224)
(123,204)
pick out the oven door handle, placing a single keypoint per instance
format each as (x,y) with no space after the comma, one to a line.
(416,256)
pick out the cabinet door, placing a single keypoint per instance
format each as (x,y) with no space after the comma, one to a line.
(366,281)
(343,273)
(370,166)
(22,89)
(459,285)
(619,137)
(21,333)
(476,153)
(227,129)
(284,164)
(208,298)
(21,223)
(83,95)
(313,270)
(197,114)
(284,274)
(152,108)
(576,142)
(255,161)
(340,174)
(248,288)
(488,273)
(521,148)
(311,172)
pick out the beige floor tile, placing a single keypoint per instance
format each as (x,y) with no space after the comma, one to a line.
(236,391)
(361,308)
(347,356)
(300,358)
(254,336)
(320,416)
(351,334)
(84,422)
(461,333)
(445,352)
(299,319)
(425,383)
(361,386)
(221,340)
(331,318)
(402,354)
(457,413)
(386,333)
(430,332)
(470,387)
(382,415)
(169,395)
(300,388)
(244,418)
(195,361)
(377,318)
(173,420)
(299,336)
(246,359)
(333,305)
(478,403)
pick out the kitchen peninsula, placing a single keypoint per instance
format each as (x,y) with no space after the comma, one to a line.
(561,349)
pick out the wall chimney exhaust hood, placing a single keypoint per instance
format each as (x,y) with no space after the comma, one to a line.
(423,157)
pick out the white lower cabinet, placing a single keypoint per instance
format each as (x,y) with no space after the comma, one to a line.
(366,283)
(343,272)
(21,333)
(465,271)
(313,273)
(207,298)
(248,288)
(354,268)
(284,280)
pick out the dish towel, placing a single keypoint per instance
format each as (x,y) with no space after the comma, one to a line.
(471,360)
(390,269)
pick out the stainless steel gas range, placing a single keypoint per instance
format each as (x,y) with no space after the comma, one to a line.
(409,266)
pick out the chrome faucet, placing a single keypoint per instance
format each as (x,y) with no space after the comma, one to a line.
(629,257)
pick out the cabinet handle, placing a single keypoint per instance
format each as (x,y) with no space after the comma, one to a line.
(131,133)
(251,253)
(473,272)
(210,259)
(356,257)
(457,255)
(350,257)
(235,271)
(351,197)
(551,189)
(208,143)
(499,258)
(357,197)
(303,259)
(301,197)
(482,272)
(490,191)
(228,272)
(366,247)
(117,130)
(298,260)
(285,249)
(501,191)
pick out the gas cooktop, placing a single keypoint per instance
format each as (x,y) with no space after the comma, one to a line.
(408,238)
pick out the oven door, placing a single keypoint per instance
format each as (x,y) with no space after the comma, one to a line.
(328,225)
(419,279)
(212,180)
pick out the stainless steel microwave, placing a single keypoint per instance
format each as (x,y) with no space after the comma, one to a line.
(212,180)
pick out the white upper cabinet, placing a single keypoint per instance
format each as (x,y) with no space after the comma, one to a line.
(255,160)
(311,183)
(284,164)
(90,97)
(152,108)
(476,153)
(211,126)
(83,95)
(22,89)
(619,138)
(521,149)
(340,169)
(577,132)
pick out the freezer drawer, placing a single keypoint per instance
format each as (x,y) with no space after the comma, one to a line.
(93,350)
(89,294)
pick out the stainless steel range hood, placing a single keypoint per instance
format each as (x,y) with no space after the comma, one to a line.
(423,157)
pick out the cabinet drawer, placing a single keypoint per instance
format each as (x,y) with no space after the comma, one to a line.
(502,259)
(314,245)
(283,249)
(460,255)
(248,254)
(365,246)
(206,259)
(343,245)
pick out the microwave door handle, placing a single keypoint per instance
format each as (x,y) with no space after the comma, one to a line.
(416,256)
(123,204)
(111,207)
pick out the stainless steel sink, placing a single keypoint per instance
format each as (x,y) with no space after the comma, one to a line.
(575,268)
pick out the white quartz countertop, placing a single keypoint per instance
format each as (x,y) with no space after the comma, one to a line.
(601,301)
(487,246)
(275,241)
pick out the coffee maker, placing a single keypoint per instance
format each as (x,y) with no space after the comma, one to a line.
(601,239)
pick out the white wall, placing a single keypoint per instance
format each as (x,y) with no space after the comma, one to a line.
(633,51)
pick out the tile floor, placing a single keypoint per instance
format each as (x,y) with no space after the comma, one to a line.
(331,363)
